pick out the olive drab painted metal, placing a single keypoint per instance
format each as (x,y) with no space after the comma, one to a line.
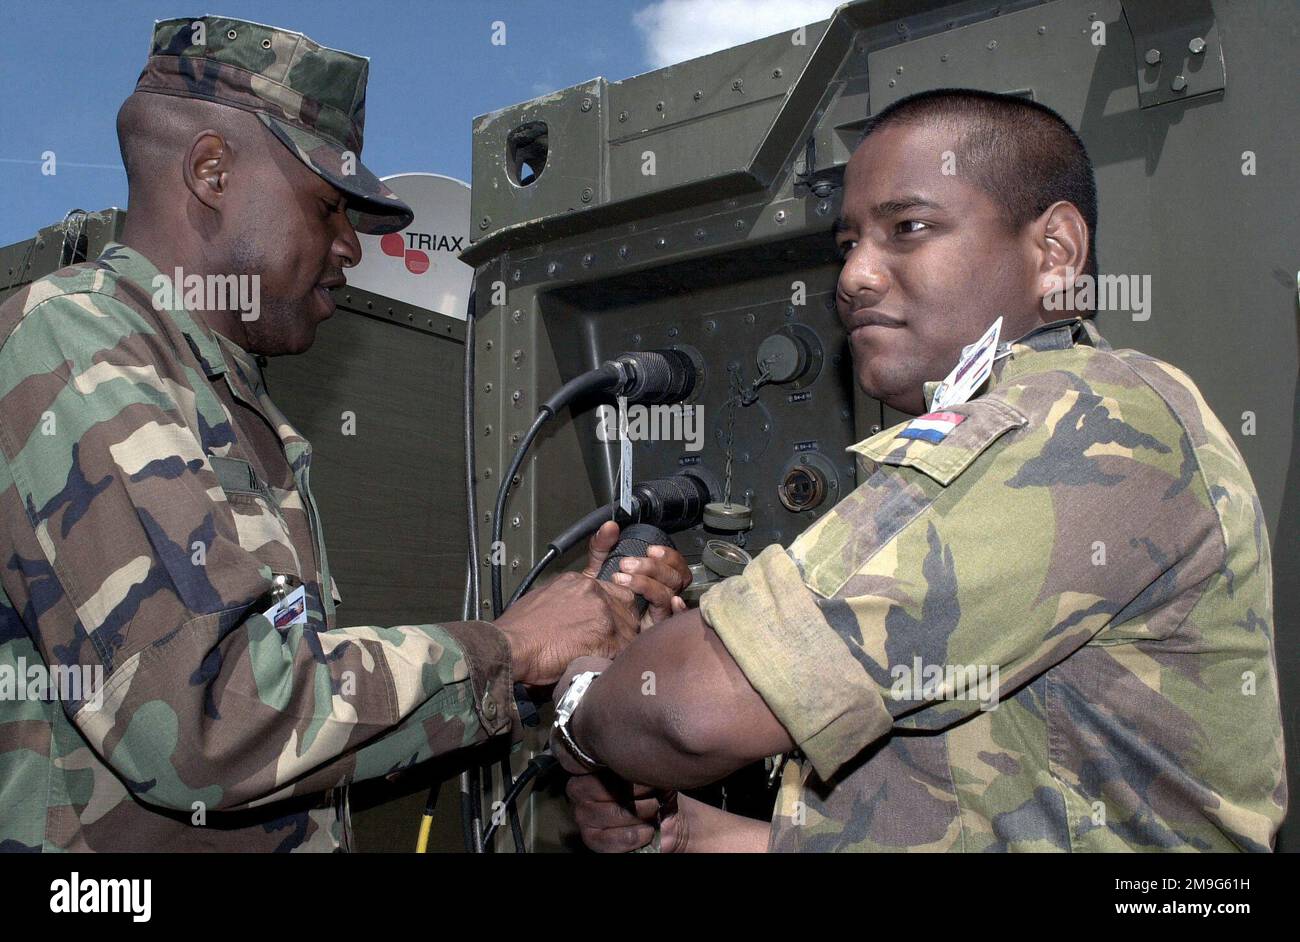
(691,207)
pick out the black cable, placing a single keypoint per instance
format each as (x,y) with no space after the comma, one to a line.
(498,514)
(550,556)
(542,762)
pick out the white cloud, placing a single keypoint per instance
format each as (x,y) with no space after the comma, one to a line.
(677,30)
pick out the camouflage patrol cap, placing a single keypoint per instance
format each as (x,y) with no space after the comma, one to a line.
(312,98)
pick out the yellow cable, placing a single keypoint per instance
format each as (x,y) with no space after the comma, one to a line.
(422,842)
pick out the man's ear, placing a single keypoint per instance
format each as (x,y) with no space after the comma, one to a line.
(207,168)
(1061,238)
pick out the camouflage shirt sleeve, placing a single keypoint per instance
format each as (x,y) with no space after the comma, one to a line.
(1045,516)
(124,555)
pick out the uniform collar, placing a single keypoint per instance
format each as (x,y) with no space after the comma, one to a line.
(136,270)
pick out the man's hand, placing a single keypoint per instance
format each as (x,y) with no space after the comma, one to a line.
(615,817)
(658,577)
(575,614)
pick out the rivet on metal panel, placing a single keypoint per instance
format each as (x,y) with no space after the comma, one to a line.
(944,57)
(737,85)
(739,224)
(780,217)
(516,520)
(899,70)
(710,326)
(517,316)
(487,430)
(516,396)
(487,473)
(661,242)
(892,83)
(875,430)
(587,260)
(659,106)
(673,331)
(1042,30)
(698,94)
(487,345)
(749,319)
(586,104)
(514,482)
(624,251)
(1179,83)
(514,563)
(776,73)
(514,438)
(699,235)
(1196,46)
(993,44)
(1152,57)
(487,387)
(484,222)
(622,116)
(516,274)
(823,208)
(517,356)
(586,194)
(636,340)
(552,268)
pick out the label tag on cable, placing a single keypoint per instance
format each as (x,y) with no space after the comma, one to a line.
(624,459)
(971,371)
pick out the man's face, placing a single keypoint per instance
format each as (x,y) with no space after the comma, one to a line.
(929,264)
(296,236)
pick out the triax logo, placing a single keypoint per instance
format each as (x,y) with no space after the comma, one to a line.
(409,248)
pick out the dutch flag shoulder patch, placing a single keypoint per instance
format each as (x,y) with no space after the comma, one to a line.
(932,427)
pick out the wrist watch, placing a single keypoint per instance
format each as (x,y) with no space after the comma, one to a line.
(564,711)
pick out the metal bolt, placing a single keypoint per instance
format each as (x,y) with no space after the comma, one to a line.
(699,235)
(487,387)
(517,356)
(517,316)
(586,104)
(659,106)
(780,217)
(1196,46)
(516,396)
(1179,83)
(1152,57)
(739,224)
(636,340)
(710,326)
(1042,30)
(587,260)
(698,94)
(487,345)
(875,429)
(749,319)
(673,331)
(622,116)
(899,70)
(823,208)
(484,222)
(944,57)
(993,44)
(737,85)
(552,268)
(487,430)
(516,520)
(514,438)
(776,73)
(623,251)
(892,83)
(661,242)
(587,194)
(514,563)
(487,472)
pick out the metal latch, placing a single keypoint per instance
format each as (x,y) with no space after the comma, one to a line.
(1176,50)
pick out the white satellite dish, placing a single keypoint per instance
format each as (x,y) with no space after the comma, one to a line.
(419,264)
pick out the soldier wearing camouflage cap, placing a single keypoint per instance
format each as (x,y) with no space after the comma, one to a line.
(159,536)
(1044,620)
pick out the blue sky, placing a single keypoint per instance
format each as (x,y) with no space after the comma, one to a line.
(67,65)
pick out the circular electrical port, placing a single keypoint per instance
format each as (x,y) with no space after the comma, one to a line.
(802,488)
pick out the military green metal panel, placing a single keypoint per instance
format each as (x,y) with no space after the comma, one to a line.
(79,236)
(704,252)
